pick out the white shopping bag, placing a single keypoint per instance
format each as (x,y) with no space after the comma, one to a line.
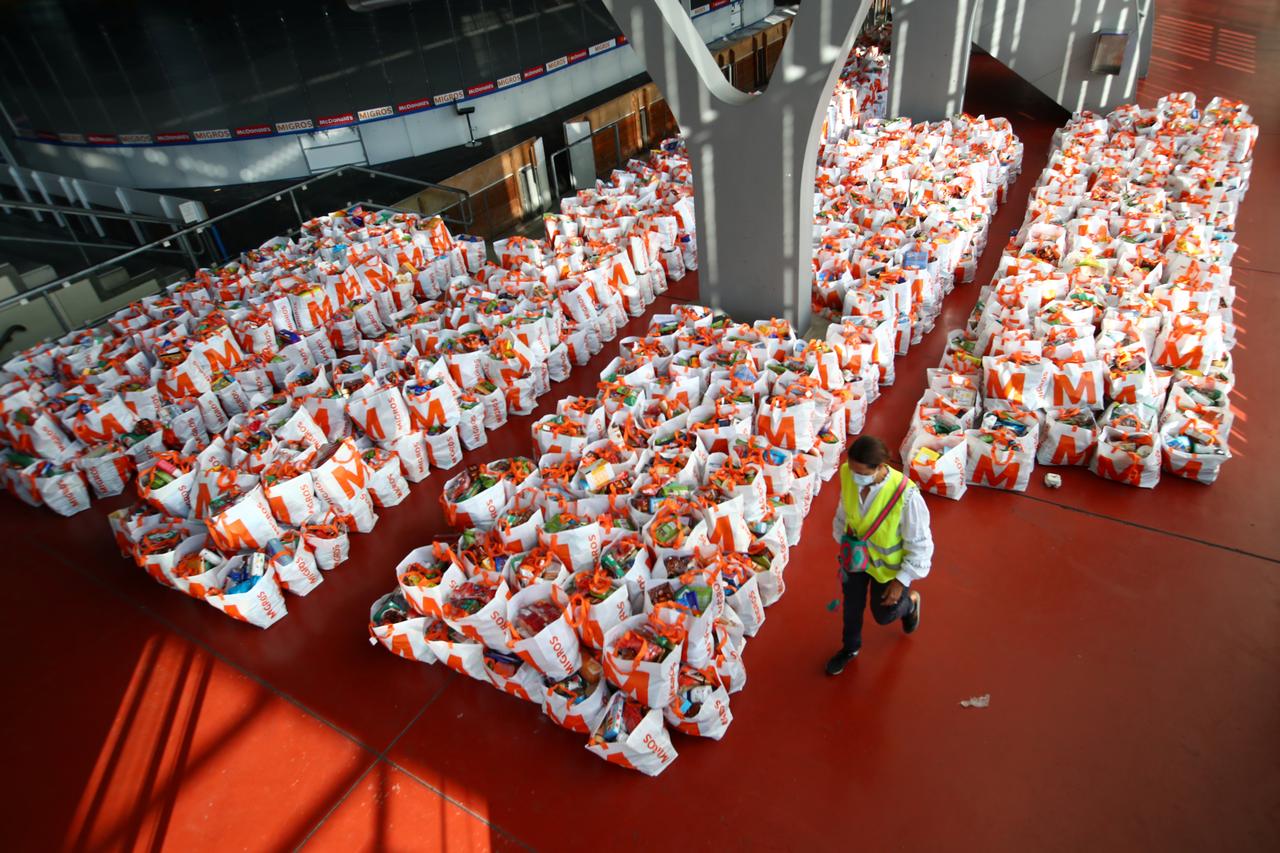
(295,501)
(465,658)
(1078,384)
(554,650)
(1132,458)
(709,718)
(646,748)
(938,465)
(578,547)
(748,604)
(406,639)
(651,683)
(387,485)
(581,716)
(262,605)
(65,492)
(525,683)
(480,511)
(295,566)
(698,648)
(412,450)
(444,449)
(1064,443)
(380,413)
(727,525)
(329,544)
(488,625)
(415,572)
(790,427)
(1201,465)
(1007,465)
(342,480)
(246,525)
(728,662)
(1018,378)
(594,619)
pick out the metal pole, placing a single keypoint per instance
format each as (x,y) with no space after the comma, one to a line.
(296,211)
(191,255)
(123,199)
(617,147)
(60,315)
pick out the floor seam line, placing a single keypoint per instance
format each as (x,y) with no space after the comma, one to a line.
(1148,528)
(199,643)
(439,691)
(337,805)
(463,806)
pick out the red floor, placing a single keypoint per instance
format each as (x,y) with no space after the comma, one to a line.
(1130,641)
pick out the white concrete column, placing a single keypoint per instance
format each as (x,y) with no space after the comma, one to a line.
(753,155)
(929,57)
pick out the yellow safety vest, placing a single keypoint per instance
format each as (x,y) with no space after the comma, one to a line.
(885,548)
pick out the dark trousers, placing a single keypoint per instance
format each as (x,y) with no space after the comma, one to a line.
(855,601)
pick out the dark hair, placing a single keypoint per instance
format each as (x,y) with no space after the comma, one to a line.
(869,450)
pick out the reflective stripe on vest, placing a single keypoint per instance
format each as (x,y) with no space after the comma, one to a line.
(885,549)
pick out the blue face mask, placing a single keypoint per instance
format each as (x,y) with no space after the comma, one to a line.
(864,479)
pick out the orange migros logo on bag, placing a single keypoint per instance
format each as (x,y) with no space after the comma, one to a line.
(936,483)
(203,498)
(109,428)
(234,536)
(348,288)
(227,358)
(265,601)
(619,275)
(1106,468)
(1010,388)
(439,239)
(1188,360)
(783,435)
(178,385)
(1191,470)
(723,711)
(321,417)
(400,645)
(320,311)
(372,424)
(984,471)
(1083,391)
(1066,452)
(722,533)
(378,275)
(348,470)
(560,548)
(562,656)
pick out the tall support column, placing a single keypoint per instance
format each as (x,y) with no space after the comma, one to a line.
(753,155)
(929,62)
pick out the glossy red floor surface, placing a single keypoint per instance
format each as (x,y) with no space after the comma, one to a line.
(1130,641)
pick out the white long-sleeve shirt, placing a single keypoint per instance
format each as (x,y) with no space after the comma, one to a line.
(917,540)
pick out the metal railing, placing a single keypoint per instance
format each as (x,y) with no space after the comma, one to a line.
(367,205)
(645,126)
(195,239)
(89,212)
